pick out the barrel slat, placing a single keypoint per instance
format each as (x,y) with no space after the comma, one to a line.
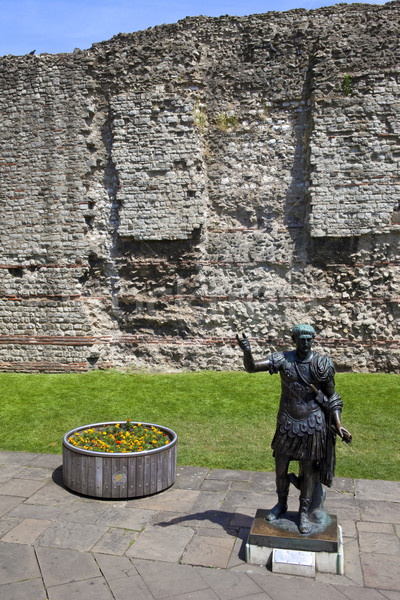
(127,475)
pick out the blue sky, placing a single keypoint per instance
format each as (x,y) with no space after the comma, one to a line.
(62,25)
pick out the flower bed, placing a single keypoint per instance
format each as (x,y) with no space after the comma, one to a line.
(121,437)
(136,466)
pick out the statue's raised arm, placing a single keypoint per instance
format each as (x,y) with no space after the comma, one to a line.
(250,364)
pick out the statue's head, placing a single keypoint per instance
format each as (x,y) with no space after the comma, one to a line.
(303,331)
(303,336)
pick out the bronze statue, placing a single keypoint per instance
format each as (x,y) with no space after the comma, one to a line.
(307,423)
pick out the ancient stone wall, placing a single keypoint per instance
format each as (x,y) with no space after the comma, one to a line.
(168,188)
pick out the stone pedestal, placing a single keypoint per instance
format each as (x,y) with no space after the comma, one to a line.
(289,551)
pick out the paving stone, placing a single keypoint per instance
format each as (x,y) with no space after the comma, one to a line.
(240,485)
(52,495)
(236,498)
(21,487)
(300,588)
(19,458)
(386,491)
(334,579)
(7,523)
(225,474)
(82,512)
(115,541)
(261,486)
(90,589)
(9,471)
(200,595)
(35,511)
(65,566)
(50,461)
(156,543)
(374,527)
(208,501)
(382,512)
(230,585)
(264,477)
(26,532)
(260,596)
(174,500)
(32,589)
(127,588)
(38,473)
(390,594)
(162,579)
(129,518)
(342,484)
(243,517)
(345,506)
(166,518)
(238,554)
(348,528)
(215,485)
(379,543)
(17,563)
(115,567)
(190,478)
(381,571)
(352,563)
(209,550)
(209,518)
(78,536)
(359,593)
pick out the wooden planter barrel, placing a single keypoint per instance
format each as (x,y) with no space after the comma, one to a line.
(119,475)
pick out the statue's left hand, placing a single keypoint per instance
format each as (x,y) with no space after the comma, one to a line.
(345,434)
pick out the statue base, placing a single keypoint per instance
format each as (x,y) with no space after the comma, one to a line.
(280,543)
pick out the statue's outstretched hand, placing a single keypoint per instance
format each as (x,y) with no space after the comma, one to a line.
(345,434)
(243,342)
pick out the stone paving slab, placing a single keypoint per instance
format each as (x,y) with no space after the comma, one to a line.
(154,544)
(21,487)
(132,587)
(89,589)
(230,585)
(163,546)
(128,518)
(383,512)
(115,541)
(17,562)
(26,532)
(9,502)
(209,548)
(32,589)
(164,580)
(381,570)
(65,566)
(77,536)
(386,491)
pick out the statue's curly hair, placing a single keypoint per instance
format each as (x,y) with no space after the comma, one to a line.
(302,329)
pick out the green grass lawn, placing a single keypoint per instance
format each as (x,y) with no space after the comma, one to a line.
(223,420)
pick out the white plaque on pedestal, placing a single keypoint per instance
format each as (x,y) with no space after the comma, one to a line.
(293,562)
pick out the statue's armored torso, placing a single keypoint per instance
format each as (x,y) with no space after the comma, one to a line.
(301,426)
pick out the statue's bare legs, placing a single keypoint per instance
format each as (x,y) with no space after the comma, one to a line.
(309,477)
(282,487)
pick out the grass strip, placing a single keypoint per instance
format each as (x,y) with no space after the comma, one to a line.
(223,419)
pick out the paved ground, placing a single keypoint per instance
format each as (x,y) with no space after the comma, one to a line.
(185,543)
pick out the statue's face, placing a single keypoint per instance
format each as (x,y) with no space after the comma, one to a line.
(303,346)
